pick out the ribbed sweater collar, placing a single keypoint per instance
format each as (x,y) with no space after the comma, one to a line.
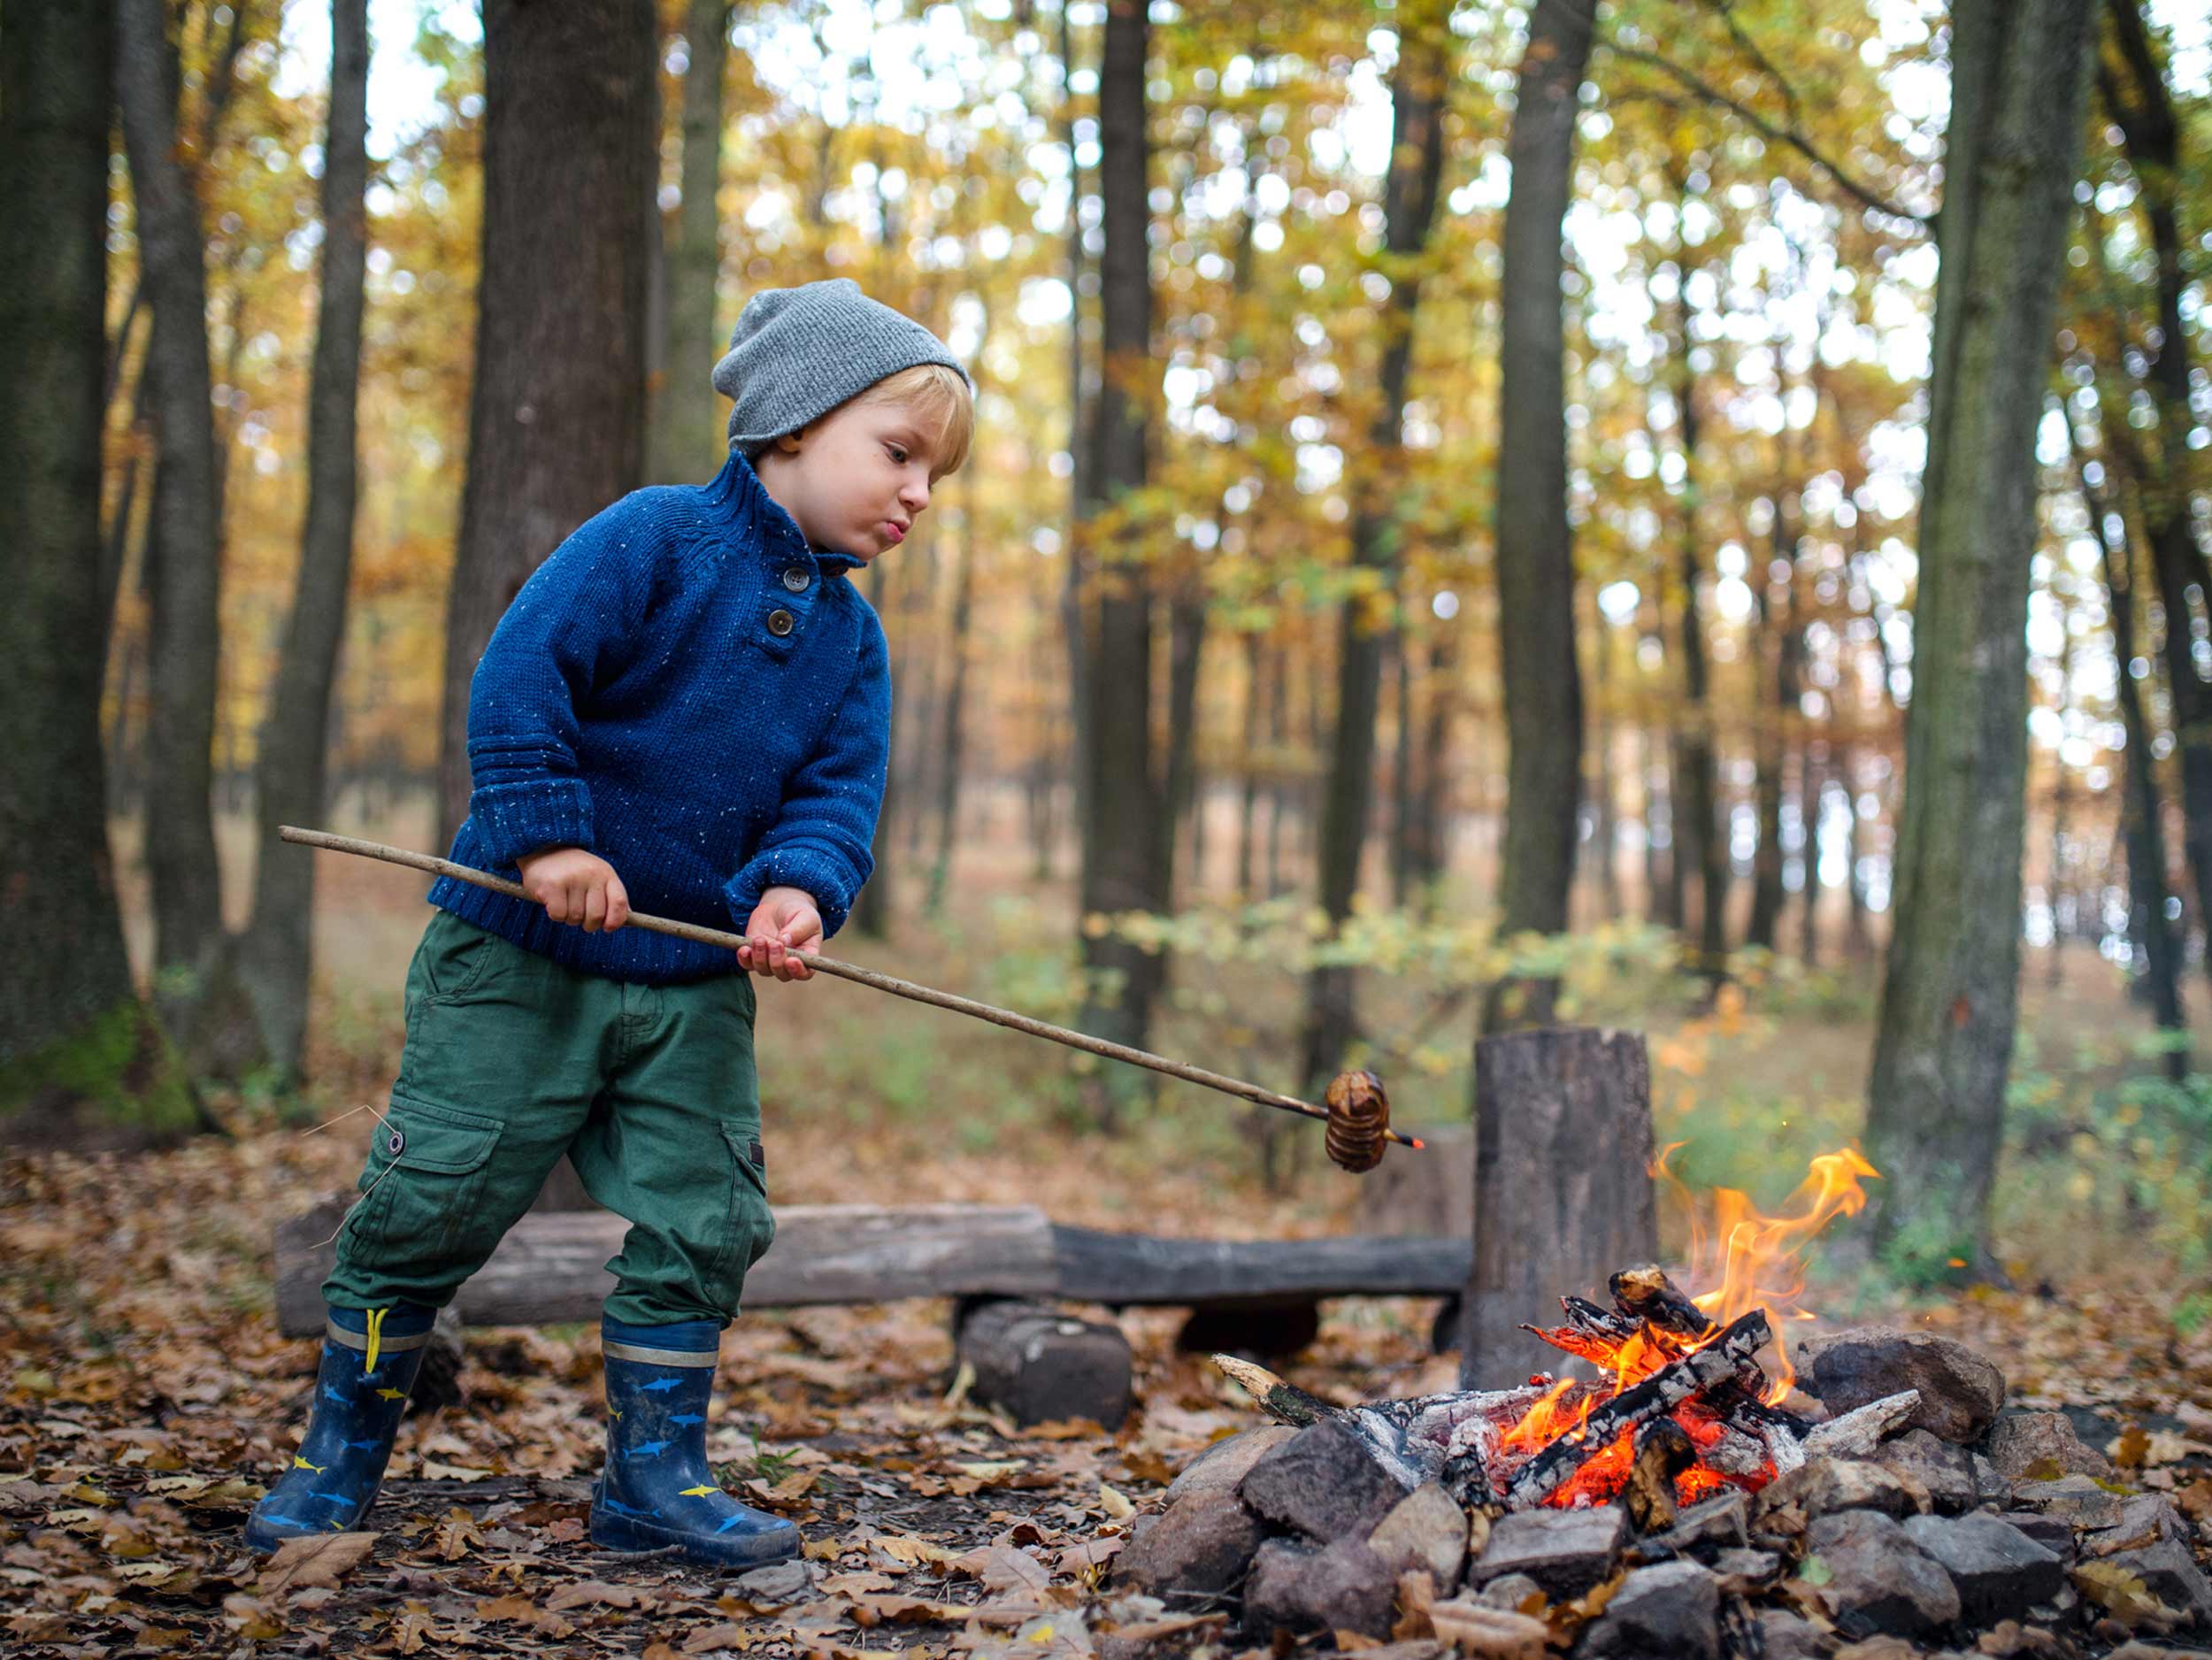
(737,491)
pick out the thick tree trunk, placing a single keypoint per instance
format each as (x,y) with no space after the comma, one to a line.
(1542,683)
(278,960)
(1419,86)
(557,431)
(2143,816)
(80,1056)
(1123,804)
(687,441)
(184,560)
(1081,415)
(1936,1093)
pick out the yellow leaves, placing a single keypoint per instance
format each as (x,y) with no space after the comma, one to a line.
(457,1535)
(1116,1504)
(2124,1595)
(313,1560)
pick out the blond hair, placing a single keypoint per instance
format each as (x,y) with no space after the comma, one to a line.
(939,397)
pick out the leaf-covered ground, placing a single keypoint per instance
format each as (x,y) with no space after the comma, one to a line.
(145,1395)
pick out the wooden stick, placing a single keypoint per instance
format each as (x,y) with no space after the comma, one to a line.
(897,987)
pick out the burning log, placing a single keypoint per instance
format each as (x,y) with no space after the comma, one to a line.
(1657,1396)
(1646,1294)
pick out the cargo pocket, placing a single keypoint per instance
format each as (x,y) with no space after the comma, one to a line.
(454,959)
(749,1227)
(423,1185)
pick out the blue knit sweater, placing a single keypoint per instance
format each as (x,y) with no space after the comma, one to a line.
(688,690)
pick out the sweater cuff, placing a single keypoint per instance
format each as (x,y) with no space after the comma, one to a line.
(512,820)
(812,872)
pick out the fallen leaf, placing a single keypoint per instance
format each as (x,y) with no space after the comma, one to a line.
(585,1592)
(1489,1633)
(1115,1502)
(521,1611)
(457,1535)
(723,1634)
(316,1560)
(2124,1595)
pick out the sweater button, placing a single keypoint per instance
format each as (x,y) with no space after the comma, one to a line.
(778,623)
(795,578)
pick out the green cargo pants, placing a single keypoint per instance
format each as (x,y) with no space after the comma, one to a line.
(512,1060)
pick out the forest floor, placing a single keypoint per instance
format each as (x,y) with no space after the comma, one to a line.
(145,1393)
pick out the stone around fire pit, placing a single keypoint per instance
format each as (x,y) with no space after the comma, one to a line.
(1786,1636)
(1829,1485)
(1565,1552)
(1722,1520)
(1322,1482)
(2078,1499)
(1961,1391)
(1944,1468)
(2036,1446)
(1296,1587)
(1671,1609)
(1426,1531)
(1997,1569)
(1222,1465)
(1197,1547)
(2171,1575)
(1879,1582)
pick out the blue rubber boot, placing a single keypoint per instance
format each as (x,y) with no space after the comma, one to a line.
(369,1364)
(656,1489)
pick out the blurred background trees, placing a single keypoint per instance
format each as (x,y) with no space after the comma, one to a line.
(1462,493)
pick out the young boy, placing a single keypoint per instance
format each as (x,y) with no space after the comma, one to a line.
(687,707)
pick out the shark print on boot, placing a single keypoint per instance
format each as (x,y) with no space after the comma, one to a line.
(369,1362)
(658,1489)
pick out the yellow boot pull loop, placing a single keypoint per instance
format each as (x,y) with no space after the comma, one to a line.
(376,1337)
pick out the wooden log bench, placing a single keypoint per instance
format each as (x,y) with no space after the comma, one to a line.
(1258,1295)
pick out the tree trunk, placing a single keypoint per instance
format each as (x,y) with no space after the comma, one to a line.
(954,734)
(557,431)
(1699,831)
(279,959)
(84,1058)
(1123,803)
(1543,684)
(1419,86)
(871,909)
(192,960)
(1431,848)
(688,440)
(1936,1093)
(2134,94)
(1605,826)
(1187,646)
(1776,648)
(2143,816)
(1080,418)
(1248,810)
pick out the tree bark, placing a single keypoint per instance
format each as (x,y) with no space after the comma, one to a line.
(1124,805)
(557,431)
(1543,684)
(954,732)
(183,553)
(80,1056)
(1776,651)
(1419,88)
(2143,816)
(687,441)
(1698,826)
(1936,1093)
(278,960)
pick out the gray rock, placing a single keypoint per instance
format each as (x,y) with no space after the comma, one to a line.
(1944,1468)
(1427,1529)
(1829,1485)
(2170,1574)
(2054,1533)
(2030,1446)
(1565,1552)
(1198,1547)
(1722,1520)
(1786,1636)
(1878,1581)
(1990,1486)
(1296,1588)
(2078,1499)
(1323,1483)
(1222,1465)
(1998,1569)
(1509,1590)
(1757,1566)
(1961,1391)
(2141,1520)
(1672,1608)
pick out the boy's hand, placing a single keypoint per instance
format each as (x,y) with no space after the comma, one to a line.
(574,885)
(784,930)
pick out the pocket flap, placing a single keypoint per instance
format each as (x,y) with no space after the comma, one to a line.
(442,1140)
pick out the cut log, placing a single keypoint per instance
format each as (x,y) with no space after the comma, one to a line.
(1655,1397)
(1274,1328)
(1041,1364)
(1562,1184)
(551,1265)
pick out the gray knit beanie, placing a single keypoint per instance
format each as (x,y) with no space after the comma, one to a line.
(797,353)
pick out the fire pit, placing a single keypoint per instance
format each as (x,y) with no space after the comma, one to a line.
(1686,1499)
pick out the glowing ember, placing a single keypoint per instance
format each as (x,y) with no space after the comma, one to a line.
(1745,1261)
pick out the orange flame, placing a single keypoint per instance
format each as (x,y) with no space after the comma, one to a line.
(1746,1260)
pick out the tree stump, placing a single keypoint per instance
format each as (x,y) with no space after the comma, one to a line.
(1563,1186)
(1039,1364)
